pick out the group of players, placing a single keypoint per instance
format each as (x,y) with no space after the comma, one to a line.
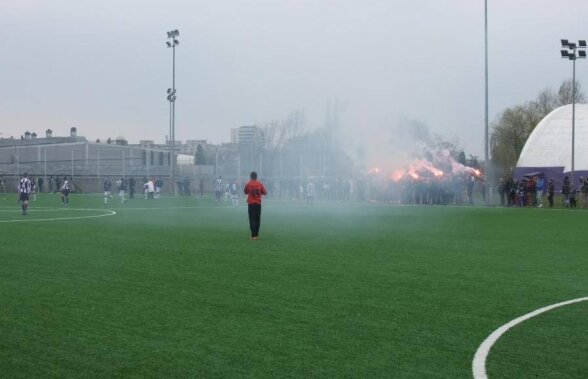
(254,190)
(151,188)
(231,190)
(27,188)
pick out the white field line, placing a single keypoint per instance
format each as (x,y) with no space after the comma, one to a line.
(479,362)
(109,213)
(45,209)
(174,208)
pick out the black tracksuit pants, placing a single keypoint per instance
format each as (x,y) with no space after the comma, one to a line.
(254,211)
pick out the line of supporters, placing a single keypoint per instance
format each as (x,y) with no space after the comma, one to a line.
(530,192)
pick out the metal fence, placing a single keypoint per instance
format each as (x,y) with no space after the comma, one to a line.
(87,164)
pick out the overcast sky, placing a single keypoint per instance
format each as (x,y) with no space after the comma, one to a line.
(102,65)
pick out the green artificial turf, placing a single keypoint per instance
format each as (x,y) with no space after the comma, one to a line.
(175,288)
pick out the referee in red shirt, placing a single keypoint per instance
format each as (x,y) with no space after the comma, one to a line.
(254,189)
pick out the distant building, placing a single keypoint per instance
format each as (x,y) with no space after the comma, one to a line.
(33,139)
(191,146)
(88,162)
(75,156)
(247,136)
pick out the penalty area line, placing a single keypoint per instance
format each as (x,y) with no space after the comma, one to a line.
(479,362)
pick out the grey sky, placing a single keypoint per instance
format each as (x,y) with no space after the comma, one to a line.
(102,65)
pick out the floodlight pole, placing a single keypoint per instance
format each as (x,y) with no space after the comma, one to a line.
(173,133)
(573,52)
(172,99)
(486,153)
(573,121)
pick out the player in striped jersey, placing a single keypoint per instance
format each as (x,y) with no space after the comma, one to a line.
(2,187)
(107,190)
(33,194)
(24,190)
(65,191)
(234,191)
(122,188)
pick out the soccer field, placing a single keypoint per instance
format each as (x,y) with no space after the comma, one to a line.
(175,288)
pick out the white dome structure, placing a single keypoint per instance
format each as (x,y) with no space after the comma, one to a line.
(549,147)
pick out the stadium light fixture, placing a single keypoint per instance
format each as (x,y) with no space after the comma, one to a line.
(573,51)
(171,97)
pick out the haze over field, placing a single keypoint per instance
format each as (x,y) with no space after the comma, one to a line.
(103,67)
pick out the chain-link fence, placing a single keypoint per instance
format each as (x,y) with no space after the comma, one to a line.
(88,164)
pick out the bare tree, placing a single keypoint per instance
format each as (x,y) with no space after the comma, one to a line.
(546,101)
(277,133)
(565,93)
(270,135)
(293,126)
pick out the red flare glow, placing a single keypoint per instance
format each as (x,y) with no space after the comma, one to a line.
(397,176)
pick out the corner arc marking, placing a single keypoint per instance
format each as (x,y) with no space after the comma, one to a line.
(479,362)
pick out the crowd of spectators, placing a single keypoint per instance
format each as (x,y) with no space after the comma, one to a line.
(529,192)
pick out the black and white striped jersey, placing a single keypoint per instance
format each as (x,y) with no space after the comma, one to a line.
(24,186)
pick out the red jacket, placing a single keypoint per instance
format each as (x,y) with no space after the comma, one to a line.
(254,189)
